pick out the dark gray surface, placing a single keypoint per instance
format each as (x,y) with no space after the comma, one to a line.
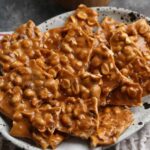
(16,12)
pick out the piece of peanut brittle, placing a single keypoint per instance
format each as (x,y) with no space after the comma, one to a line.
(102,62)
(72,51)
(78,117)
(129,58)
(113,121)
(139,72)
(19,47)
(45,140)
(123,48)
(85,18)
(109,25)
(139,31)
(23,129)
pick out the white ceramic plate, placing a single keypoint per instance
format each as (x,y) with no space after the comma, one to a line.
(141,114)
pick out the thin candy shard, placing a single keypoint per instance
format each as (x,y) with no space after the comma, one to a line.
(113,121)
(79,117)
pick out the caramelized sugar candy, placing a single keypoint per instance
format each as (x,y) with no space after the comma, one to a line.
(131,58)
(53,83)
(113,121)
(17,49)
(79,117)
(109,25)
(26,105)
(98,38)
(139,31)
(85,18)
(102,62)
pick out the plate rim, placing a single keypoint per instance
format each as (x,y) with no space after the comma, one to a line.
(106,8)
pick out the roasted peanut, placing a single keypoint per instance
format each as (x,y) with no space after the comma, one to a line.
(54,59)
(65,83)
(63,59)
(96,61)
(131,56)
(18,80)
(125,71)
(76,112)
(39,83)
(39,121)
(48,117)
(26,43)
(84,92)
(127,50)
(82,15)
(142,28)
(75,86)
(52,84)
(66,120)
(16,99)
(44,93)
(52,72)
(1,82)
(132,92)
(96,91)
(17,116)
(66,48)
(16,64)
(15,45)
(29,93)
(6,45)
(35,101)
(77,65)
(69,108)
(6,58)
(105,68)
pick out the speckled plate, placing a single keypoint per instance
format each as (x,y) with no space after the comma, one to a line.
(141,114)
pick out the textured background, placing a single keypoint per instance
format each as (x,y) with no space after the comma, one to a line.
(16,12)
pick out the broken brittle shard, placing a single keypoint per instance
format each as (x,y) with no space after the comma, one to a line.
(131,53)
(113,121)
(102,62)
(79,117)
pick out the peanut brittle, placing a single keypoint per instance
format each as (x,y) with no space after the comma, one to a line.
(113,121)
(109,26)
(139,31)
(45,140)
(18,48)
(85,86)
(123,48)
(129,58)
(139,72)
(23,129)
(126,94)
(85,18)
(102,62)
(79,117)
(72,51)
